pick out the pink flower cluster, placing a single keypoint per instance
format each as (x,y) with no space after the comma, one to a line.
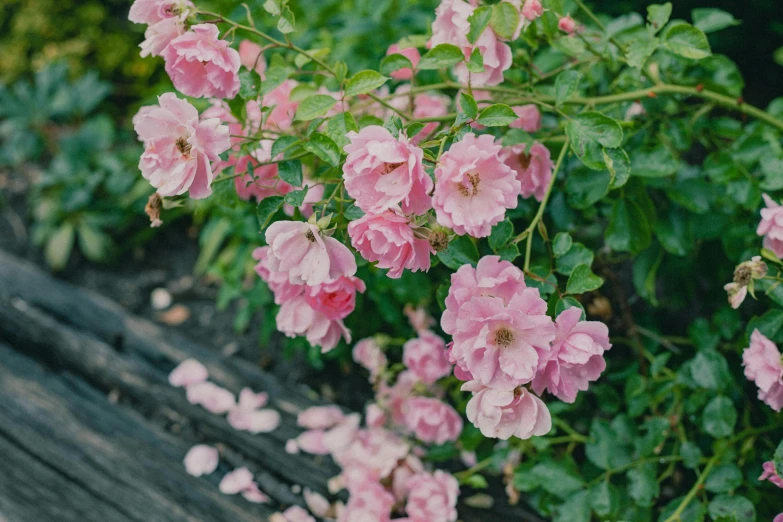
(771,226)
(503,340)
(312,278)
(763,364)
(771,474)
(203,460)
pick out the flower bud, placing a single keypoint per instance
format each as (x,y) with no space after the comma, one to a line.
(439,241)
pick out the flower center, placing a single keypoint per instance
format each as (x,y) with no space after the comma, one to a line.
(504,337)
(183,146)
(386,168)
(742,275)
(474,179)
(310,236)
(524,160)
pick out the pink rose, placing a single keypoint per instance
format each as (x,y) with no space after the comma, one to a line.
(394,397)
(211,397)
(369,502)
(764,365)
(382,171)
(497,58)
(451,24)
(566,24)
(187,373)
(533,170)
(473,186)
(153,11)
(297,318)
(406,469)
(374,416)
(201,65)
(778,518)
(426,357)
(431,420)
(529,118)
(369,354)
(505,413)
(433,497)
(201,460)
(771,474)
(491,277)
(264,181)
(419,319)
(281,116)
(178,148)
(576,357)
(306,255)
(315,193)
(499,344)
(320,417)
(389,239)
(428,106)
(336,299)
(251,58)
(375,451)
(159,35)
(532,9)
(771,226)
(278,282)
(411,53)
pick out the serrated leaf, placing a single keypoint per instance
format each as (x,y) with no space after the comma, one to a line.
(440,56)
(577,255)
(339,125)
(643,485)
(640,49)
(561,244)
(324,147)
(497,115)
(266,209)
(724,478)
(478,20)
(583,280)
(719,417)
(566,85)
(735,507)
(687,41)
(283,144)
(296,197)
(314,106)
(468,105)
(290,171)
(364,82)
(628,229)
(460,251)
(505,20)
(593,127)
(249,84)
(476,62)
(394,62)
(500,235)
(709,19)
(286,23)
(658,15)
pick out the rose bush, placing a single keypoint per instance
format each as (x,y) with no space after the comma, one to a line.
(570,193)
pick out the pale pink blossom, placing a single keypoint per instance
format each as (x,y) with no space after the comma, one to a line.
(320,417)
(312,441)
(490,278)
(374,451)
(188,372)
(778,518)
(338,438)
(254,421)
(393,397)
(211,397)
(533,169)
(369,354)
(316,502)
(241,481)
(529,118)
(451,24)
(308,256)
(497,58)
(389,239)
(159,35)
(374,416)
(432,420)
(473,186)
(428,106)
(281,116)
(179,149)
(576,357)
(251,58)
(419,318)
(505,413)
(532,9)
(202,65)
(201,460)
(566,24)
(259,181)
(382,171)
(411,53)
(291,447)
(771,474)
(153,11)
(737,293)
(432,497)
(500,345)
(250,400)
(297,318)
(426,357)
(764,365)
(771,226)
(278,282)
(369,502)
(336,299)
(295,514)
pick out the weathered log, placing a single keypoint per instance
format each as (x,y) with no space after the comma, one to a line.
(108,350)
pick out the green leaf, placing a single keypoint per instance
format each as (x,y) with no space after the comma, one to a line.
(736,508)
(440,56)
(643,485)
(709,370)
(468,105)
(593,127)
(287,23)
(479,21)
(575,509)
(605,449)
(687,41)
(272,7)
(674,232)
(505,20)
(628,229)
(566,85)
(640,49)
(724,478)
(603,498)
(777,459)
(500,235)
(290,171)
(93,243)
(249,84)
(296,197)
(658,15)
(476,481)
(266,209)
(395,62)
(497,115)
(568,302)
(693,513)
(691,454)
(283,144)
(561,244)
(653,162)
(59,246)
(364,82)
(339,125)
(586,187)
(719,417)
(577,255)
(461,251)
(324,147)
(314,106)
(709,19)
(556,479)
(476,62)
(509,252)
(583,280)
(618,165)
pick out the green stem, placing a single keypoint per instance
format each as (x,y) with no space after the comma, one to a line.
(462,475)
(675,517)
